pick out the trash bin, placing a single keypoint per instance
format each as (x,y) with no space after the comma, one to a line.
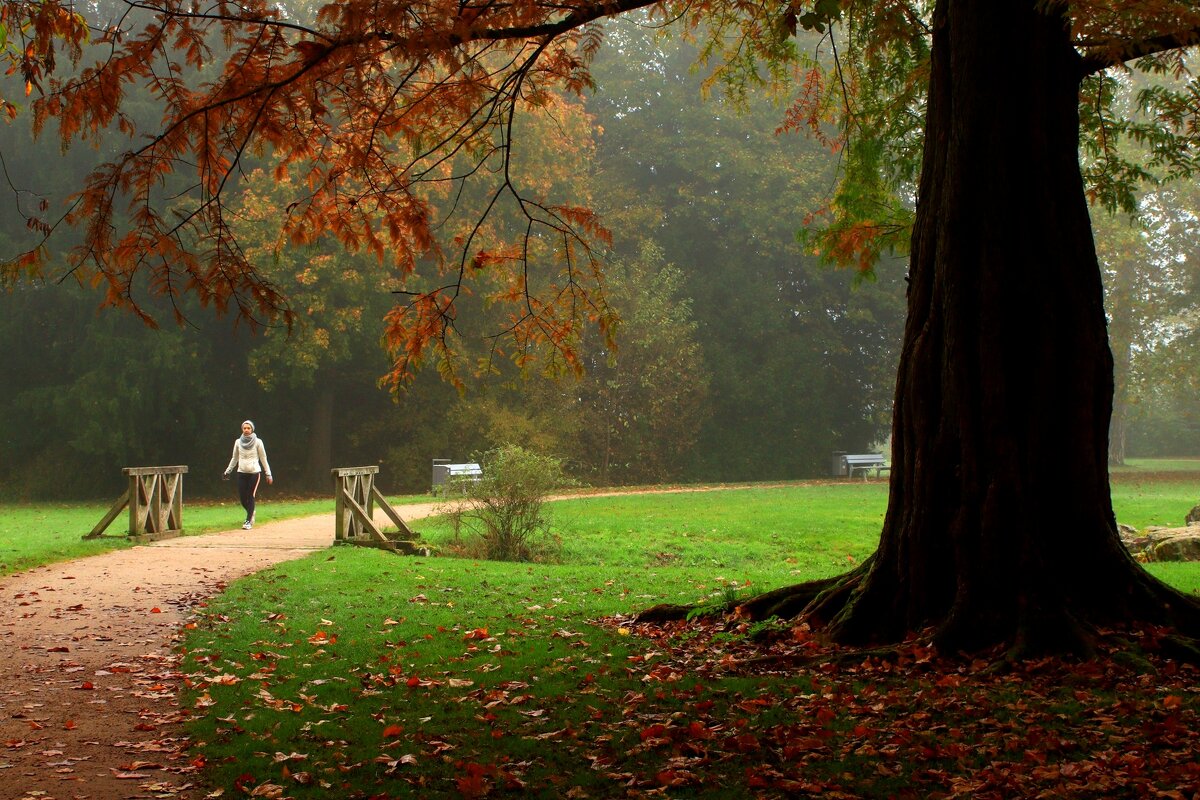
(441,471)
(838,468)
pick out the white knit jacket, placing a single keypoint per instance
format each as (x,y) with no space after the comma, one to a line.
(249,460)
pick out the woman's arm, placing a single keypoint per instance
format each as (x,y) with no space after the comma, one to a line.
(262,459)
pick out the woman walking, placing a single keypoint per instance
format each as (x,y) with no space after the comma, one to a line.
(250,461)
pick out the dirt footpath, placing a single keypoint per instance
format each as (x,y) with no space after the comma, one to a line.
(88,676)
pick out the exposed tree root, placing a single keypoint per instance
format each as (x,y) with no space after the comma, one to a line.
(665,612)
(1054,634)
(844,656)
(1185,649)
(788,602)
(795,601)
(1056,627)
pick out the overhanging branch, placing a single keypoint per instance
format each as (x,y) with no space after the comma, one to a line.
(579,17)
(1098,58)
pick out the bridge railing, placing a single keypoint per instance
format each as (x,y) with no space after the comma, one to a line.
(155,502)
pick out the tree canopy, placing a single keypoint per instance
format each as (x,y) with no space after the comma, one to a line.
(642,147)
(374,111)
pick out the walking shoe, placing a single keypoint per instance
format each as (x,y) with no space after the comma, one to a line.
(246,525)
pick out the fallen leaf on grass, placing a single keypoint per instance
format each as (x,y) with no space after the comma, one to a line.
(224,680)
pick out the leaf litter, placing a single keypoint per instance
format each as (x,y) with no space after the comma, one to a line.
(700,706)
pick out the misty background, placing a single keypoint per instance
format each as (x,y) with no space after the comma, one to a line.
(742,356)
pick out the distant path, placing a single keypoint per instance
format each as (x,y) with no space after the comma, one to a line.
(88,673)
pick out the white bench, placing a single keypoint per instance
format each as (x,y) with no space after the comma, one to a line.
(445,475)
(864,463)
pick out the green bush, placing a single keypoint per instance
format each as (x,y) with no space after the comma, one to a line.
(505,505)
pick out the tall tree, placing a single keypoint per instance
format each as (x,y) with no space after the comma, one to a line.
(1005,370)
(1120,252)
(801,359)
(85,394)
(1146,255)
(1000,525)
(1151,279)
(636,412)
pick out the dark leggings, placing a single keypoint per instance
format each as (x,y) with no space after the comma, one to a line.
(247,488)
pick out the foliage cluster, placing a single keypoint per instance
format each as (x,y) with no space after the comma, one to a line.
(420,212)
(505,506)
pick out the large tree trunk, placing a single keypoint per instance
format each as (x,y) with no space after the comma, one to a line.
(1000,526)
(320,438)
(1120,337)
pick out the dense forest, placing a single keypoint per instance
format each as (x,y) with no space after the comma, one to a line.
(741,355)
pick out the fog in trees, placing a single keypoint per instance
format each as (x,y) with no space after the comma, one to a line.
(789,359)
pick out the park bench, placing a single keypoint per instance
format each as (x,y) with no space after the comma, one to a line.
(864,463)
(446,475)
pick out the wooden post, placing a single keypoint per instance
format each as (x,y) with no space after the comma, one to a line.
(155,500)
(354,507)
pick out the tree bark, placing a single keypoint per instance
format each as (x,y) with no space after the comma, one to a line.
(1121,332)
(1000,527)
(320,437)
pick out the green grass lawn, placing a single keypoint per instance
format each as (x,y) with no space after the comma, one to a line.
(1153,497)
(32,535)
(1144,465)
(1145,492)
(358,674)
